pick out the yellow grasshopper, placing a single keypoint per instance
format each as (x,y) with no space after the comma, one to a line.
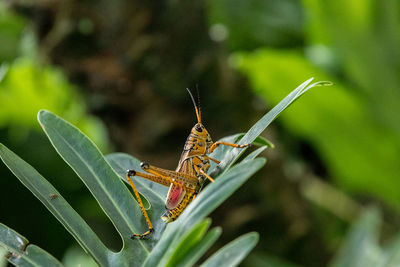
(186,181)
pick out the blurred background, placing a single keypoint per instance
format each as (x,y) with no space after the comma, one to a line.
(118,70)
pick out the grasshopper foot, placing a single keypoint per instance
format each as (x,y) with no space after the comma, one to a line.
(144,235)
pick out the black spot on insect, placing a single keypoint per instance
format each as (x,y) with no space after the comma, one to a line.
(130,173)
(198,128)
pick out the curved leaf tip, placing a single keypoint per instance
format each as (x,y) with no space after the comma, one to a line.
(320,83)
(40,115)
(323,83)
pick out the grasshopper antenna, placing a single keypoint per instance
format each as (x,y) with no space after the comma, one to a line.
(198,99)
(196,105)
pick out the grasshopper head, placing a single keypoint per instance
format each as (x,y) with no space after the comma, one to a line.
(201,132)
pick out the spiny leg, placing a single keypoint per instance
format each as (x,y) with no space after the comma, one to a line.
(216,144)
(151,177)
(176,178)
(146,216)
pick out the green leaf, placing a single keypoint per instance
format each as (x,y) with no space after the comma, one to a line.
(234,252)
(361,245)
(22,254)
(55,203)
(3,260)
(102,181)
(188,241)
(200,248)
(263,123)
(210,198)
(255,153)
(262,141)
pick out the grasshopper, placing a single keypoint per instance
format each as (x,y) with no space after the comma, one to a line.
(187,180)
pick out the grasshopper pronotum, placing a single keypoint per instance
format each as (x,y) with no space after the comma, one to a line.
(188,178)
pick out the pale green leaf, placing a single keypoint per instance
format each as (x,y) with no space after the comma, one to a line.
(200,248)
(233,253)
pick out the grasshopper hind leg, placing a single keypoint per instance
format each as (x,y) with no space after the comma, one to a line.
(132,173)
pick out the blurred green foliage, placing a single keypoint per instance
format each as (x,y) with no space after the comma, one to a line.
(27,85)
(353,126)
(11,29)
(255,23)
(362,247)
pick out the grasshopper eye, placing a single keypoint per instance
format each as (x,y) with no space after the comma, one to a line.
(198,128)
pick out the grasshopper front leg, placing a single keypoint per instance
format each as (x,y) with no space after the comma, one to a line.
(217,144)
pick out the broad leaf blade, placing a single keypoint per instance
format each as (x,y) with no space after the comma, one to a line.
(102,181)
(22,254)
(234,252)
(56,204)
